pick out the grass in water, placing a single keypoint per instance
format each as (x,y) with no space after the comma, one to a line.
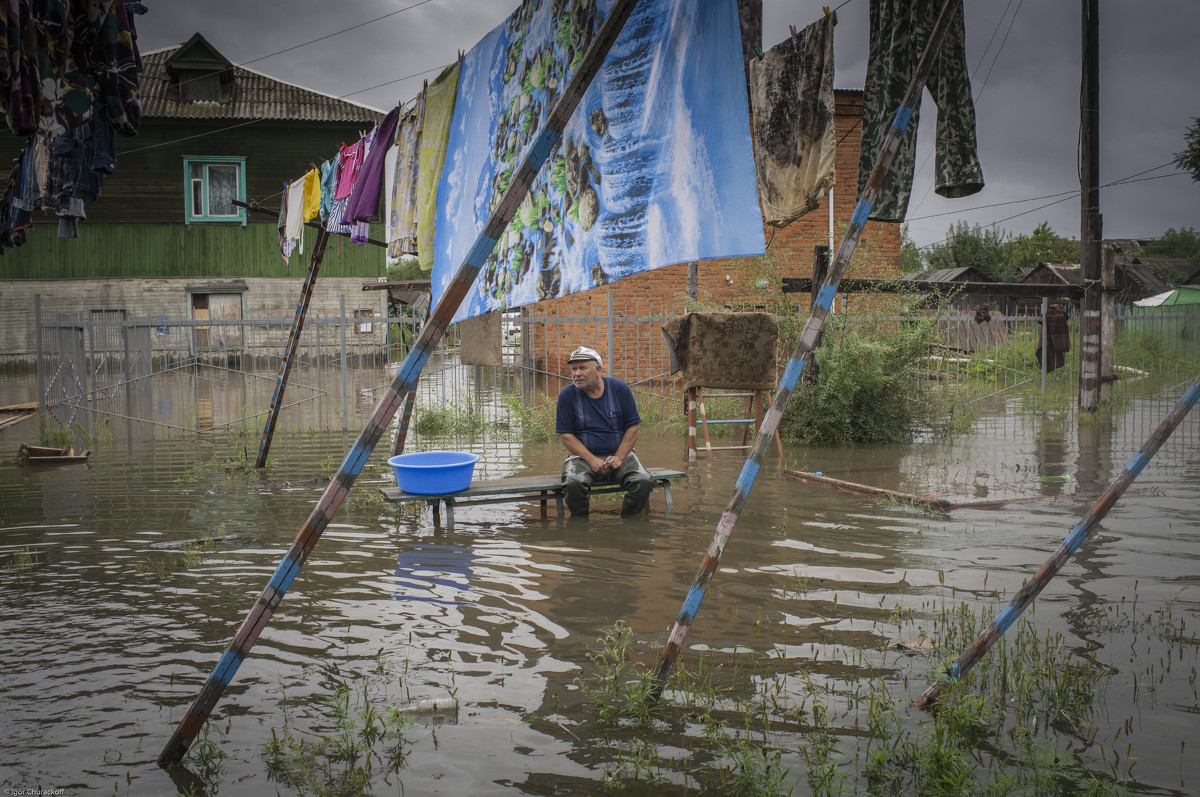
(1028,719)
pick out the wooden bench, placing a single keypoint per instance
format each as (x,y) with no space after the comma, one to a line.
(518,488)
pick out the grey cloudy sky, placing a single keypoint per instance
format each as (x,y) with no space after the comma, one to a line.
(1024,56)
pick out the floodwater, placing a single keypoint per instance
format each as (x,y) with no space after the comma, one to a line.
(108,635)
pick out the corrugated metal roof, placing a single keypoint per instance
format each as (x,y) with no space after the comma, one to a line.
(253,96)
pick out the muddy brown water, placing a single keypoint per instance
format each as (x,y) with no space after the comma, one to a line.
(107,638)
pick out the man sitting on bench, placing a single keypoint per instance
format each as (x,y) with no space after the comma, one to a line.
(598,422)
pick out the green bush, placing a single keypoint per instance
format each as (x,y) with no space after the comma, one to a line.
(867,390)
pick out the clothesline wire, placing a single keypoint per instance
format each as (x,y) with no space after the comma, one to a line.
(1126,179)
(313,41)
(256,121)
(1071,194)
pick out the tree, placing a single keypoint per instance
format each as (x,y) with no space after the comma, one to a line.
(975,247)
(1184,242)
(1189,159)
(1041,245)
(911,258)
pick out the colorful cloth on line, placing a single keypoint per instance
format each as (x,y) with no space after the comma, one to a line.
(312,196)
(349,161)
(653,168)
(791,97)
(439,100)
(294,229)
(364,199)
(402,194)
(328,186)
(900,29)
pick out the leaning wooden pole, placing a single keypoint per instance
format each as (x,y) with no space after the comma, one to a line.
(402,426)
(1069,546)
(808,341)
(405,381)
(293,343)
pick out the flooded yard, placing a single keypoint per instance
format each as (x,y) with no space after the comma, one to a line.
(791,679)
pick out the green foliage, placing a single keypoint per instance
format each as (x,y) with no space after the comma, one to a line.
(1189,159)
(1041,245)
(51,433)
(409,268)
(359,734)
(970,246)
(453,418)
(867,391)
(911,257)
(1184,242)
(998,254)
(533,424)
(619,691)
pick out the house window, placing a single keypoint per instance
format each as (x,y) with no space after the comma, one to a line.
(210,186)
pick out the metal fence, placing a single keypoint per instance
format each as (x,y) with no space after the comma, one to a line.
(204,377)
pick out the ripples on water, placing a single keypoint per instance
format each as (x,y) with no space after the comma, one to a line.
(109,638)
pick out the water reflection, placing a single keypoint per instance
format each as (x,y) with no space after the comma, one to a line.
(112,637)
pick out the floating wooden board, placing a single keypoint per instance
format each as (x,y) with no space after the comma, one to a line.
(47,455)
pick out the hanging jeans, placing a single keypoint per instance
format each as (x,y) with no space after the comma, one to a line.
(900,30)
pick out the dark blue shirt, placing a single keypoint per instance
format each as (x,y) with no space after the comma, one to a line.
(598,423)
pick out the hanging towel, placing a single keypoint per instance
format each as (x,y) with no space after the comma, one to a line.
(281,225)
(294,232)
(900,30)
(312,195)
(364,199)
(480,340)
(389,171)
(349,160)
(402,197)
(791,99)
(435,135)
(328,186)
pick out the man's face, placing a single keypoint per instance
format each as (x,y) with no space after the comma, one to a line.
(585,374)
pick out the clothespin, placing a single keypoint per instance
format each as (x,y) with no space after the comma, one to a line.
(827,11)
(758,51)
(792,28)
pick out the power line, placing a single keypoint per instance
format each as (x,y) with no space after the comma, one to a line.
(312,41)
(1126,179)
(1068,195)
(336,33)
(256,121)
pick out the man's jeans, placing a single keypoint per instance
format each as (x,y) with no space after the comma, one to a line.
(578,479)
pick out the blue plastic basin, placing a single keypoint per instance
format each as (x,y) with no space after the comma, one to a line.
(434,472)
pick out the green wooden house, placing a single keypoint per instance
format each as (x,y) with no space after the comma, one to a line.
(165,238)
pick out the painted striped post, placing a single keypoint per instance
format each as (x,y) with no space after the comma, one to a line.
(1021,601)
(808,339)
(405,381)
(293,342)
(402,425)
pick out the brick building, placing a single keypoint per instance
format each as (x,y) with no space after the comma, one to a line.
(735,283)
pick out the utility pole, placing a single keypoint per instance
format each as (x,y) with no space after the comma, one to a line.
(1090,232)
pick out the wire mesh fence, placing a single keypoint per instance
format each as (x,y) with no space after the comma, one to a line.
(211,375)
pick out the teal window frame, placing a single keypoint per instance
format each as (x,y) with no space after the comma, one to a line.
(189,187)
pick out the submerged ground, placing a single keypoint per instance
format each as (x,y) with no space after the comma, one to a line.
(538,629)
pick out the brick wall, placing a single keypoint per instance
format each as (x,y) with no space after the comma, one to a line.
(740,283)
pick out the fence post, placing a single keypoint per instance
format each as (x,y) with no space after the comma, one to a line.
(37,351)
(1108,319)
(345,403)
(611,356)
(1045,337)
